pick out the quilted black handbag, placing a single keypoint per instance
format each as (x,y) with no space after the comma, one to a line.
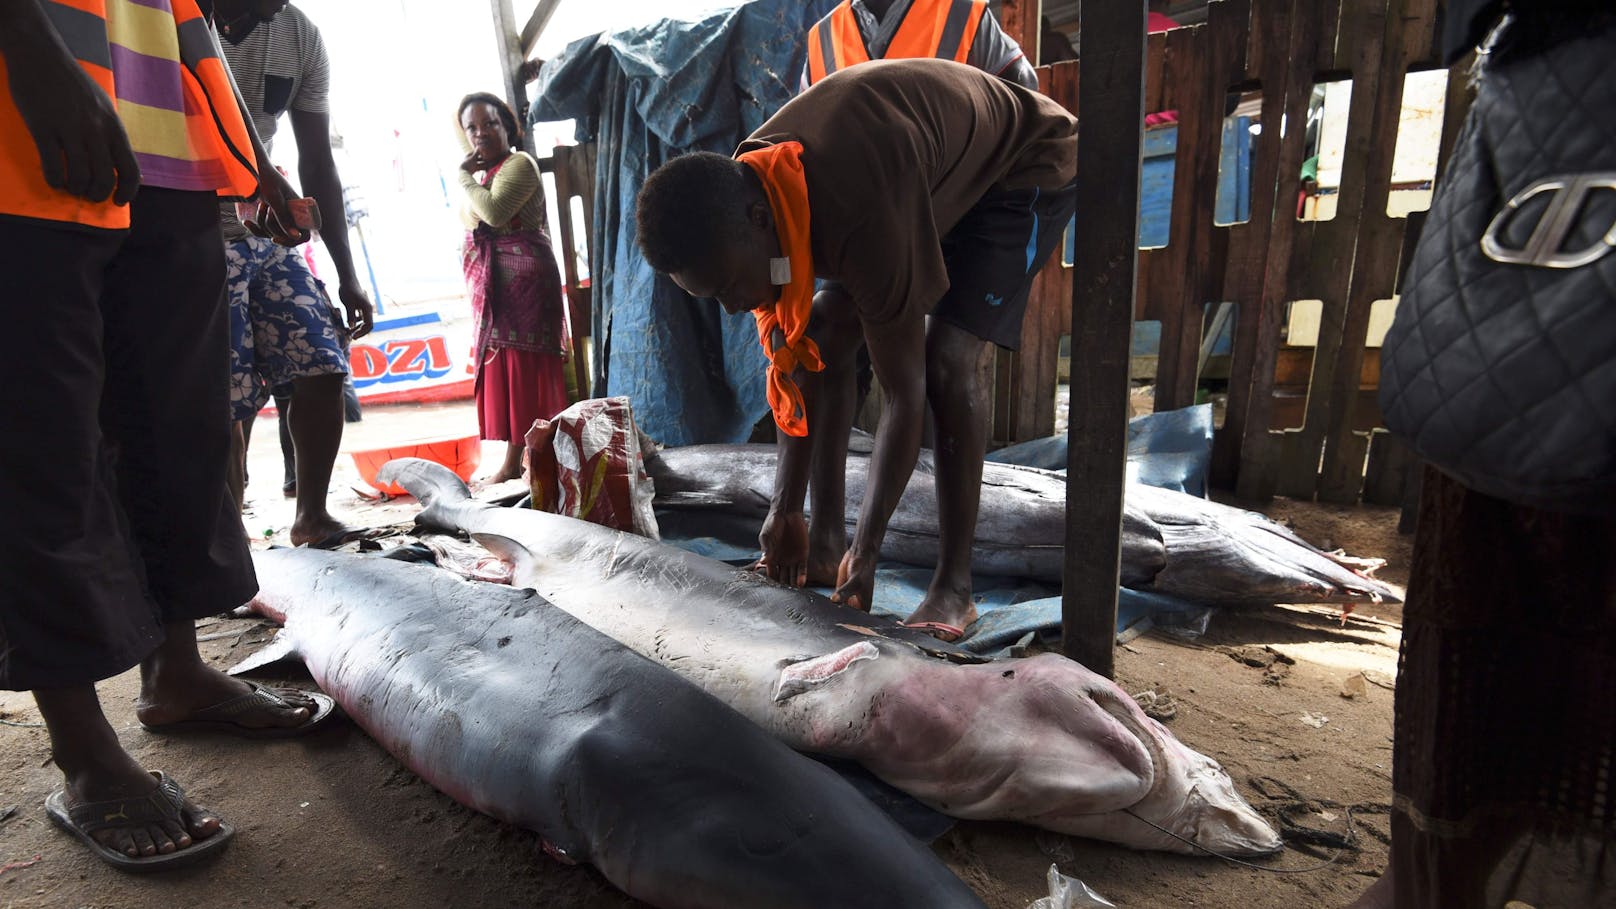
(1500,366)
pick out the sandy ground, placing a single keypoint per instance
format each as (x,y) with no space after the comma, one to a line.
(333,821)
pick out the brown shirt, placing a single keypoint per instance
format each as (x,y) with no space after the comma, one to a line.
(895,152)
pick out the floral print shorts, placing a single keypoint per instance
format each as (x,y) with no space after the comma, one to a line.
(283,325)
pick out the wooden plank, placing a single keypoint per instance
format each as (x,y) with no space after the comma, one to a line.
(1389,463)
(1021,20)
(578,298)
(1260,454)
(510,58)
(1380,239)
(536,24)
(1176,302)
(1032,399)
(1111,96)
(1364,31)
(1270,23)
(1155,70)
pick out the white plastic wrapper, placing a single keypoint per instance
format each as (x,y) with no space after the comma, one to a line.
(1069,893)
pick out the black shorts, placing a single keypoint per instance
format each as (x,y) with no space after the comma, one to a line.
(114,438)
(994,253)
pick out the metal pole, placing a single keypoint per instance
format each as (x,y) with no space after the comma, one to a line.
(1111,107)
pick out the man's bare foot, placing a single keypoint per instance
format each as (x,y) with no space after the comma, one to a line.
(179,694)
(96,769)
(950,607)
(129,781)
(823,561)
(321,531)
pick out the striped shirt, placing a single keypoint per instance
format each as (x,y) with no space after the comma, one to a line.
(162,121)
(279,66)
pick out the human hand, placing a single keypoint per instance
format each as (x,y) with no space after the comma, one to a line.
(529,70)
(855,581)
(83,149)
(275,219)
(357,307)
(473,163)
(784,540)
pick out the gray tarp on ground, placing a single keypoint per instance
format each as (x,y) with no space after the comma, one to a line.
(646,95)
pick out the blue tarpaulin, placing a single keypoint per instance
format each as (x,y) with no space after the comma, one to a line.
(646,95)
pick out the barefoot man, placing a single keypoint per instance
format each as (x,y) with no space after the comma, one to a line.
(932,193)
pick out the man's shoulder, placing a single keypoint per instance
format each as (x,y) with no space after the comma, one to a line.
(292,27)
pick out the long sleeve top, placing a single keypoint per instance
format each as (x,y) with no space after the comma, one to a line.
(513,199)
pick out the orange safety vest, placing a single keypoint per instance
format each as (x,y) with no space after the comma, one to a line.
(932,28)
(209,100)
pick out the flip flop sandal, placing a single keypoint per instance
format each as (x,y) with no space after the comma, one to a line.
(938,630)
(341,537)
(164,803)
(224,716)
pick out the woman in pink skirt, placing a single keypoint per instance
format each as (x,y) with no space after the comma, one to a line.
(521,337)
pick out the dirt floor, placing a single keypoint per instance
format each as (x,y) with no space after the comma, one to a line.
(1296,704)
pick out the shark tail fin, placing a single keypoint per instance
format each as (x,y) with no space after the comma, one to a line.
(436,487)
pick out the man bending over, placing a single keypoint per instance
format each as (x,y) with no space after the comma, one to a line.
(925,188)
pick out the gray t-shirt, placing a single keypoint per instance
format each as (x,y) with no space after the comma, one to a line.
(280,66)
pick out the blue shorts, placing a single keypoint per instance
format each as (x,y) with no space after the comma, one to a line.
(994,253)
(282,323)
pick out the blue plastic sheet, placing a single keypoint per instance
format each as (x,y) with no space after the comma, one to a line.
(1171,450)
(645,95)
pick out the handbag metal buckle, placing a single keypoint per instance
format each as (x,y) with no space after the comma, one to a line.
(1543,247)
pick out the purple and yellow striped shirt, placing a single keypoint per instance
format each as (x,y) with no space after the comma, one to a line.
(158,113)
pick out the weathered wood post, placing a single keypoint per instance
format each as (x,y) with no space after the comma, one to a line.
(1111,87)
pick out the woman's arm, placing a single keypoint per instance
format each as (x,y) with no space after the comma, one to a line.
(498,202)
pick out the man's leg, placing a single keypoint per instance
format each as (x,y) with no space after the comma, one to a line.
(830,402)
(283,428)
(298,343)
(959,377)
(165,406)
(71,604)
(314,421)
(993,255)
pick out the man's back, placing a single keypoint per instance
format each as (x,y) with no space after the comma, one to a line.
(896,151)
(870,30)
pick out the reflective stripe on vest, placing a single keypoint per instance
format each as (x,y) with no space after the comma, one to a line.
(941,28)
(207,74)
(210,97)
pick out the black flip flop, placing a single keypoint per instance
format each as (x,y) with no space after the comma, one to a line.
(164,803)
(221,717)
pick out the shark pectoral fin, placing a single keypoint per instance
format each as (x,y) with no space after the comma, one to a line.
(810,674)
(281,647)
(512,552)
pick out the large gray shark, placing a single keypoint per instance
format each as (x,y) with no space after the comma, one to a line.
(1172,543)
(520,711)
(1040,740)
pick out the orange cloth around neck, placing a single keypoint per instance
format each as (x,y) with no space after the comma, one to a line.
(780,169)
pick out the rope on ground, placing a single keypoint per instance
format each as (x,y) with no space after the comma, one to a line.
(1286,804)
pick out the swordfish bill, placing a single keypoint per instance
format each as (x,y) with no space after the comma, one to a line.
(1039,740)
(518,710)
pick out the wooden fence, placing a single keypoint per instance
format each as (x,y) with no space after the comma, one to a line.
(1280,48)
